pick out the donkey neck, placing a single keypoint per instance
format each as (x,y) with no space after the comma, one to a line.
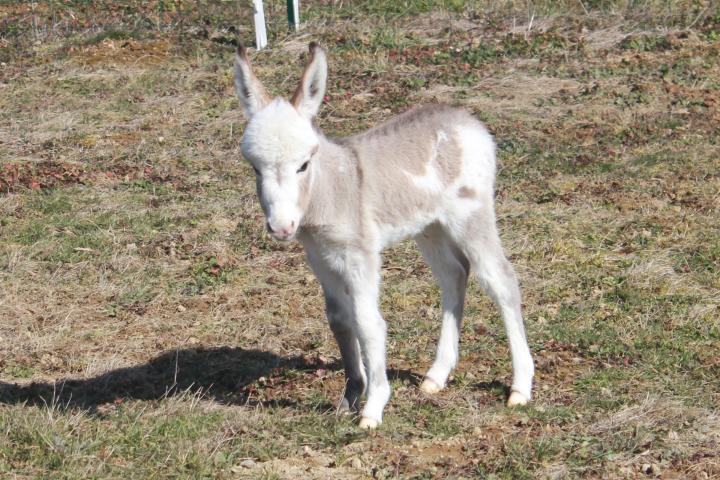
(335,191)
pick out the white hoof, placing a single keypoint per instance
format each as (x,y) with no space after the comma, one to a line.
(430,387)
(368,423)
(516,399)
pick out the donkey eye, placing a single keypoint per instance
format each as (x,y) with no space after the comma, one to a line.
(303,167)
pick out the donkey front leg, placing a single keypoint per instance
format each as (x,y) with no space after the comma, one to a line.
(371,332)
(340,320)
(338,308)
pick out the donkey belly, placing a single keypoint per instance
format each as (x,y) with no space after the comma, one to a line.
(391,233)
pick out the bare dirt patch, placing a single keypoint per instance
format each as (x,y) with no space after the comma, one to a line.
(122,52)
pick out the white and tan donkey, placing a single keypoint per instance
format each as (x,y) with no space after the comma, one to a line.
(429,174)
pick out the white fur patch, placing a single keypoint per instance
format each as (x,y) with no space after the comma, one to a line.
(477,172)
(430,181)
(478,157)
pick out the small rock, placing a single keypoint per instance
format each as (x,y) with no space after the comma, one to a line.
(356,463)
(181,308)
(627,472)
(249,463)
(650,469)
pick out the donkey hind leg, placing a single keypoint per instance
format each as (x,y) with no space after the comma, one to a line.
(450,268)
(338,309)
(481,243)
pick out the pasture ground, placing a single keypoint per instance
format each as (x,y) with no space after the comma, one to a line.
(149,329)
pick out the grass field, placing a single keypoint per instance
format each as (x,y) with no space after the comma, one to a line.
(150,329)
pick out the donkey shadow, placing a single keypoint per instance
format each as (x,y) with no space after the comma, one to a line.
(226,375)
(223,374)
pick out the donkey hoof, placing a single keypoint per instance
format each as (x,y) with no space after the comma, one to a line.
(430,387)
(368,423)
(516,399)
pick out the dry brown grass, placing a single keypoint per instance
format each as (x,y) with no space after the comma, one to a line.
(148,328)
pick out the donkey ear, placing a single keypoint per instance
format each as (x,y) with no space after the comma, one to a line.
(309,94)
(250,91)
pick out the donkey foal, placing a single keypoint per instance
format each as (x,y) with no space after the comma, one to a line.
(429,173)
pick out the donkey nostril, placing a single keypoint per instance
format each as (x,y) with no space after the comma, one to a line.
(292,224)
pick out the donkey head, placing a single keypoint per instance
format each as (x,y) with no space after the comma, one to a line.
(280,142)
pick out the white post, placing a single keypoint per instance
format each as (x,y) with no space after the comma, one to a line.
(259,17)
(296,14)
